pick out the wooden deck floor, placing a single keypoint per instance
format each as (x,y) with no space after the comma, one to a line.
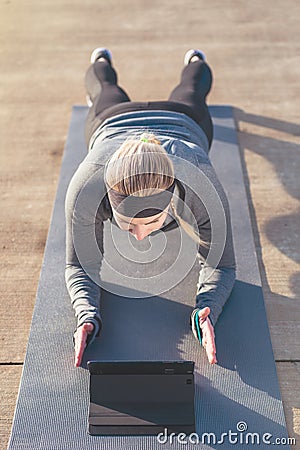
(254,52)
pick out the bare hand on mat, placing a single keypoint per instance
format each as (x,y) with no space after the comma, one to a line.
(208,335)
(80,341)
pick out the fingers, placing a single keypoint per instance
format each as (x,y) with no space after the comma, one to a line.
(80,341)
(210,349)
(208,335)
(80,344)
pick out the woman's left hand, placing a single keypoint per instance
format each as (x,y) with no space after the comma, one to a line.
(208,335)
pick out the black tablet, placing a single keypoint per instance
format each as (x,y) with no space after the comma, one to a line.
(141,397)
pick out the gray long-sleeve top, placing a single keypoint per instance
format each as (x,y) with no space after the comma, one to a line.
(199,199)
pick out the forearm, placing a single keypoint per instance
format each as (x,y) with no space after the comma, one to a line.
(85,297)
(214,289)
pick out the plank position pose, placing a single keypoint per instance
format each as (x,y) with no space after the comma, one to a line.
(131,177)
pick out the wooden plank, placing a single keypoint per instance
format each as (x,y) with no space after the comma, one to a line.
(286,338)
(289,376)
(9,385)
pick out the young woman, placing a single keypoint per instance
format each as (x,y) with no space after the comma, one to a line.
(147,170)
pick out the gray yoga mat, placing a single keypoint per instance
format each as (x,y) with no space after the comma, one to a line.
(236,401)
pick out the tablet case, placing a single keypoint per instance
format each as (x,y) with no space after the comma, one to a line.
(141,397)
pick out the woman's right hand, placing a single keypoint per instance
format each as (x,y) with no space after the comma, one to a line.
(80,338)
(208,335)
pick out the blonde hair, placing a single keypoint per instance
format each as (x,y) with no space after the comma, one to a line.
(142,167)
